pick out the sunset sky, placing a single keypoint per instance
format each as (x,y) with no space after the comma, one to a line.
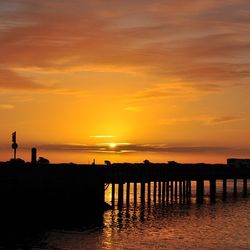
(125,80)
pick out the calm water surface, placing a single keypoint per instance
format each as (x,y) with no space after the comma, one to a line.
(219,225)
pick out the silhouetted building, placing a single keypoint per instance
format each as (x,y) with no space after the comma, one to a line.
(238,163)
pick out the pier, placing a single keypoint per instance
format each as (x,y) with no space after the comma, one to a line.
(71,188)
(168,183)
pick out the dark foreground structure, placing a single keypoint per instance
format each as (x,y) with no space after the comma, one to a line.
(166,183)
(36,196)
(56,190)
(63,190)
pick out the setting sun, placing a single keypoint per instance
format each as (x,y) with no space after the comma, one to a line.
(112,145)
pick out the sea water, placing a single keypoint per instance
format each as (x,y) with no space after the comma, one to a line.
(223,224)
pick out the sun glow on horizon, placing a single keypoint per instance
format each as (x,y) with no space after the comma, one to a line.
(112,145)
(101,136)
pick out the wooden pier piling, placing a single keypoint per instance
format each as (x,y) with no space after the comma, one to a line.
(128,193)
(120,194)
(149,192)
(184,190)
(212,189)
(142,192)
(155,188)
(167,191)
(180,191)
(135,192)
(199,190)
(175,190)
(113,195)
(172,191)
(159,191)
(163,192)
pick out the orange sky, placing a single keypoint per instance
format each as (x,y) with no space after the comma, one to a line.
(154,77)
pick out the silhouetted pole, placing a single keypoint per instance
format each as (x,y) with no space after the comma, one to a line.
(149,191)
(159,191)
(212,189)
(187,189)
(142,192)
(175,190)
(199,190)
(113,195)
(128,193)
(184,190)
(14,144)
(155,187)
(120,194)
(163,191)
(33,156)
(180,191)
(167,191)
(135,192)
(172,191)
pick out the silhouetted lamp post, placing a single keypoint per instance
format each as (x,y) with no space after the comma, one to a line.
(14,144)
(33,156)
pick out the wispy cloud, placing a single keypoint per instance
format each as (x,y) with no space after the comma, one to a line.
(158,92)
(11,80)
(102,136)
(6,106)
(124,148)
(205,119)
(197,42)
(174,90)
(224,119)
(133,109)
